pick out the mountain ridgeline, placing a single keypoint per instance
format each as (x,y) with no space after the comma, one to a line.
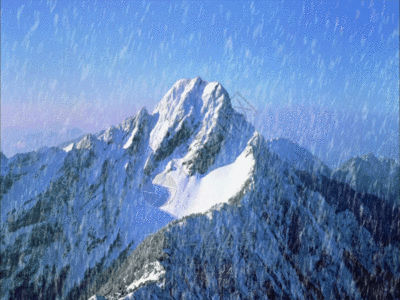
(191,202)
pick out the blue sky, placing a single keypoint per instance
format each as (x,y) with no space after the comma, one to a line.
(90,64)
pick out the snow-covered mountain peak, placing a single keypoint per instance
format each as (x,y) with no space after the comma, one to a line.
(86,142)
(371,158)
(369,161)
(215,97)
(189,114)
(100,195)
(121,135)
(192,97)
(183,94)
(255,206)
(367,173)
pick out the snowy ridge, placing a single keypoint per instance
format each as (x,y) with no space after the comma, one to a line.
(283,240)
(153,273)
(66,196)
(197,194)
(196,159)
(297,156)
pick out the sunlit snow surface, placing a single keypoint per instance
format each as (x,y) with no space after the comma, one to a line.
(198,194)
(129,142)
(69,147)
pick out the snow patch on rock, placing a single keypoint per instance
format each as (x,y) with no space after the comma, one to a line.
(153,272)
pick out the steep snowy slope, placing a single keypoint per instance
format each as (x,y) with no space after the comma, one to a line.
(370,174)
(197,194)
(197,119)
(64,211)
(285,235)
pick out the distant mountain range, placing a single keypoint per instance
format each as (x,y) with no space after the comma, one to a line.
(191,202)
(324,133)
(15,141)
(369,174)
(333,136)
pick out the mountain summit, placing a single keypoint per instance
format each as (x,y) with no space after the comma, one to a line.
(192,202)
(370,174)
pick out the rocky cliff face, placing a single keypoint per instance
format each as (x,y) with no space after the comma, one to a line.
(247,218)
